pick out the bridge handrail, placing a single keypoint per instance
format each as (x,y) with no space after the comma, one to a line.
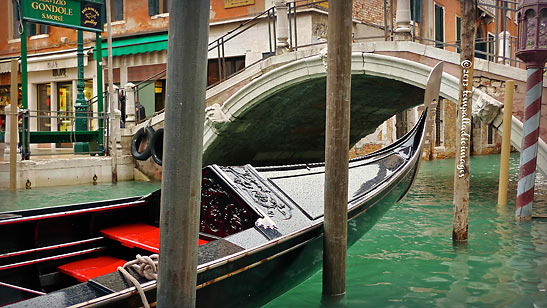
(254,20)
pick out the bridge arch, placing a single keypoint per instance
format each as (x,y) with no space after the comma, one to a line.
(279,116)
(241,95)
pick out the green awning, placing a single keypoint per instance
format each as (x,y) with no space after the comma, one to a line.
(134,45)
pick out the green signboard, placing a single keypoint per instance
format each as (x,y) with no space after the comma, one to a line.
(76,14)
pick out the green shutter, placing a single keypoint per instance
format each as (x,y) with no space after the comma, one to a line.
(153,7)
(416,10)
(458,32)
(439,26)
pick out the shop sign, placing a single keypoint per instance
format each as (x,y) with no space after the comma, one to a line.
(52,64)
(236,3)
(59,72)
(76,14)
(322,3)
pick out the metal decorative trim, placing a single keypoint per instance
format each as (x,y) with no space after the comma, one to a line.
(259,192)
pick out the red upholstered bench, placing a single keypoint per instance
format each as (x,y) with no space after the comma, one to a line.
(86,269)
(142,236)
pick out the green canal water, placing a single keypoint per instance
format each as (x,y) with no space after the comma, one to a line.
(408,259)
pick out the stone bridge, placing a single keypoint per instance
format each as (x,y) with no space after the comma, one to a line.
(273,112)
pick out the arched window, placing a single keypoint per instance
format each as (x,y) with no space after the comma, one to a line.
(531,28)
(543,28)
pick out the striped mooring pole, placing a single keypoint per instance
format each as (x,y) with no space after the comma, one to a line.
(528,154)
(532,49)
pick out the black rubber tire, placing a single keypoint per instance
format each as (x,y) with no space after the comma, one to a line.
(140,135)
(157,146)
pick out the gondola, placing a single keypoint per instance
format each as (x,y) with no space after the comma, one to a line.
(261,233)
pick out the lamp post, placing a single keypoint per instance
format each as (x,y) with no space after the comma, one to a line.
(532,49)
(81,104)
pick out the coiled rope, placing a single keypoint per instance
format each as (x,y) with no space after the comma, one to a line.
(145,266)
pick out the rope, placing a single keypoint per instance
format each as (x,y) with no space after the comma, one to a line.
(145,266)
(20,27)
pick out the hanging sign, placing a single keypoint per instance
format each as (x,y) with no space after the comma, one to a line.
(76,14)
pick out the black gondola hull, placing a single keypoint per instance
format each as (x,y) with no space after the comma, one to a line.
(247,268)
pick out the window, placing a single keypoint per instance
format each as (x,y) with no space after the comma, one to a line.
(116,7)
(491,44)
(15,20)
(542,28)
(416,10)
(439,26)
(32,29)
(228,66)
(490,134)
(480,44)
(156,7)
(458,33)
(438,126)
(37,29)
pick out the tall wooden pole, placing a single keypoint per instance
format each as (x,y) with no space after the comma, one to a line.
(13,131)
(25,149)
(463,123)
(506,142)
(182,156)
(100,84)
(114,125)
(337,149)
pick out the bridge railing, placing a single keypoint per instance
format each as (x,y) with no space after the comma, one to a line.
(228,52)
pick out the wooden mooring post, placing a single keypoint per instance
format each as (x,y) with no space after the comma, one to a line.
(182,154)
(337,150)
(506,142)
(13,128)
(112,107)
(463,123)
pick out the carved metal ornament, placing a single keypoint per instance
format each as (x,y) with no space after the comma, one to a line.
(259,192)
(221,213)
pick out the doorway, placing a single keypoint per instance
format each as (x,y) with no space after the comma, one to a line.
(65,107)
(44,107)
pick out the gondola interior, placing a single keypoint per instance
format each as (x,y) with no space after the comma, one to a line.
(47,251)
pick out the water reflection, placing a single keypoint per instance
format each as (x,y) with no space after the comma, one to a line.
(60,195)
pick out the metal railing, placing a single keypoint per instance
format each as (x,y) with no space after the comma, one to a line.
(61,117)
(268,17)
(64,118)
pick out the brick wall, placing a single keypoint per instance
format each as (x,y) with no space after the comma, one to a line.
(370,11)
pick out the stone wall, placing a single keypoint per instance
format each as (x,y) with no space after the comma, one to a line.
(66,171)
(448,129)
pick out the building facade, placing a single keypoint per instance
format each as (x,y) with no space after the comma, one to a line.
(438,22)
(139,30)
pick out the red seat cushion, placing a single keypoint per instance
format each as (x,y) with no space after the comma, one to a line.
(143,236)
(86,269)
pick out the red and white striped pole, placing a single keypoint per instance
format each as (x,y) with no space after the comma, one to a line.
(532,49)
(528,154)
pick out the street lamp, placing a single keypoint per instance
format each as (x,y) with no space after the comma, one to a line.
(532,49)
